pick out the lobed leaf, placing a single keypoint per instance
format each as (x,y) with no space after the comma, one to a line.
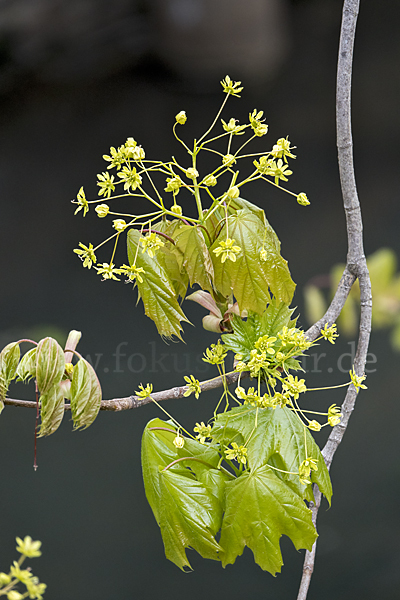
(194,256)
(50,364)
(157,291)
(275,433)
(189,517)
(249,277)
(260,508)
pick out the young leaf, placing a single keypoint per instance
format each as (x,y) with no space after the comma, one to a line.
(27,367)
(156,291)
(260,508)
(85,394)
(249,276)
(246,333)
(50,364)
(9,358)
(158,451)
(189,517)
(52,410)
(194,256)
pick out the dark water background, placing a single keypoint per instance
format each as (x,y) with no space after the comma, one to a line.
(86,501)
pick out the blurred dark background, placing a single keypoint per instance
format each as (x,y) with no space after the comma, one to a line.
(77,77)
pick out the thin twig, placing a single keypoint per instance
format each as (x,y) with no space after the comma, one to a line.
(356,267)
(130,402)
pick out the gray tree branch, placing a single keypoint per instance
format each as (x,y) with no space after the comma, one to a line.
(356,267)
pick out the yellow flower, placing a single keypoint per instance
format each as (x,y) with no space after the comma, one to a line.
(228,160)
(87,255)
(228,250)
(330,333)
(203,431)
(133,272)
(191,173)
(151,242)
(334,416)
(144,392)
(231,87)
(108,271)
(106,184)
(231,127)
(193,386)
(357,381)
(302,199)
(233,192)
(82,202)
(282,149)
(28,547)
(210,181)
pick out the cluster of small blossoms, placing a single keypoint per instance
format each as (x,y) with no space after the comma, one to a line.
(294,337)
(216,354)
(294,386)
(8,581)
(236,452)
(330,333)
(144,392)
(193,386)
(151,243)
(203,431)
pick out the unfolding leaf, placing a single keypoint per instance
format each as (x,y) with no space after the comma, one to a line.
(51,410)
(194,256)
(246,333)
(249,277)
(85,394)
(27,367)
(157,291)
(190,516)
(50,364)
(260,508)
(9,358)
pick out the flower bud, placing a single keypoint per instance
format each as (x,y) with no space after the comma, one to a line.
(177,210)
(302,199)
(102,210)
(178,442)
(181,117)
(119,225)
(192,173)
(233,192)
(210,181)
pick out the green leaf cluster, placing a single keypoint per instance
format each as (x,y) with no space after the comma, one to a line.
(55,381)
(193,497)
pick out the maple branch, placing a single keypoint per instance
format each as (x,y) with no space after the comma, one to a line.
(117,404)
(356,267)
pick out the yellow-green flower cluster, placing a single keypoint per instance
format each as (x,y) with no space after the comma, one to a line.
(294,386)
(305,469)
(8,581)
(227,249)
(216,354)
(330,333)
(193,386)
(203,431)
(151,243)
(144,392)
(236,452)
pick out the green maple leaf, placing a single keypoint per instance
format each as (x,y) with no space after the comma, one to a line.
(278,440)
(194,257)
(156,291)
(249,277)
(260,508)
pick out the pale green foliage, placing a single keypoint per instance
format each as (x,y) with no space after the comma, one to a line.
(9,582)
(56,380)
(385,283)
